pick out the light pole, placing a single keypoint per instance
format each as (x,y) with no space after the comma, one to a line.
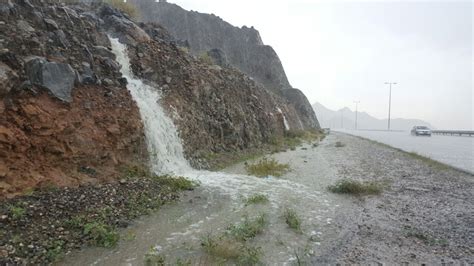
(342,118)
(390,101)
(356,102)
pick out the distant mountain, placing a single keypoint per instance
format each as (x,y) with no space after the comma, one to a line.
(345,118)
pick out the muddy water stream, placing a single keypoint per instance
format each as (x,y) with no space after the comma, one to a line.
(176,230)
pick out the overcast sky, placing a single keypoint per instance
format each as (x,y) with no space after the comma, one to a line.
(340,51)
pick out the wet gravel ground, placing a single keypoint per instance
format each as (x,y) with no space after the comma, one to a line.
(426,214)
(39,228)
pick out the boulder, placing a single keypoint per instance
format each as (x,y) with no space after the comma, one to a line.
(88,76)
(122,27)
(7,79)
(58,78)
(103,51)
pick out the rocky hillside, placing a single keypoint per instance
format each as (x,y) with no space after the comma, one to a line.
(68,119)
(242,48)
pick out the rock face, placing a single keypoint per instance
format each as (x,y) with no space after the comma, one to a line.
(66,117)
(243,48)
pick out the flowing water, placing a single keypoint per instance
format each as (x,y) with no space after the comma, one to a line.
(177,229)
(287,126)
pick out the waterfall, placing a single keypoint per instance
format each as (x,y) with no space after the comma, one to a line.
(163,142)
(287,126)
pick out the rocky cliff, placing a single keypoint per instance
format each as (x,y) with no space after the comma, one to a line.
(66,117)
(242,48)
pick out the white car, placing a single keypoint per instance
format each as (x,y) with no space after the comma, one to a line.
(421,131)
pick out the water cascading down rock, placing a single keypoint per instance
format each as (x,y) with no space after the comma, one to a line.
(163,143)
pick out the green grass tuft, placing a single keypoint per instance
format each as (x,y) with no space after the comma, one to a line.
(206,59)
(17,211)
(101,234)
(231,250)
(176,183)
(249,228)
(55,251)
(348,186)
(292,219)
(152,258)
(256,199)
(267,167)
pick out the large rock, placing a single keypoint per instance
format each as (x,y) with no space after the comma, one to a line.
(122,27)
(58,78)
(7,79)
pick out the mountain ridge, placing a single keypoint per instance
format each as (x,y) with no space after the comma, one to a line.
(210,36)
(345,118)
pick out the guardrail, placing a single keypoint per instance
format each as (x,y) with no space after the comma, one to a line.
(453,132)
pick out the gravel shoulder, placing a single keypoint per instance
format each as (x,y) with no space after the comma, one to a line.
(425,215)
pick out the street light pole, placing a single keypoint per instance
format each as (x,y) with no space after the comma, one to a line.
(342,118)
(356,102)
(390,101)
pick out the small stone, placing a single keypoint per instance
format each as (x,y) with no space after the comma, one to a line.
(168,80)
(51,24)
(107,82)
(24,26)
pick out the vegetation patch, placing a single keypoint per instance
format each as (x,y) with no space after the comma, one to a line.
(294,138)
(432,163)
(228,249)
(232,245)
(223,247)
(101,234)
(340,144)
(292,219)
(256,199)
(153,258)
(87,215)
(249,228)
(267,167)
(17,211)
(348,186)
(56,250)
(206,59)
(273,144)
(125,7)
